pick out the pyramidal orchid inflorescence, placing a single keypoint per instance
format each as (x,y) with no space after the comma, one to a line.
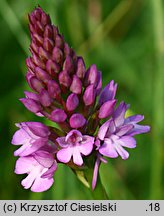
(90,125)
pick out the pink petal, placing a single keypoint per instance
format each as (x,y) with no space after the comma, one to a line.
(127,141)
(122,152)
(134,119)
(103,130)
(111,129)
(38,129)
(28,181)
(119,114)
(50,172)
(77,158)
(30,148)
(124,129)
(19,151)
(61,141)
(86,147)
(107,149)
(44,158)
(64,155)
(87,140)
(25,165)
(20,137)
(138,129)
(108,93)
(42,184)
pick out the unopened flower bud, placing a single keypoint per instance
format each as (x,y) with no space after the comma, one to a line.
(99,83)
(67,50)
(48,44)
(65,79)
(68,65)
(45,98)
(31,95)
(72,102)
(52,67)
(59,42)
(34,83)
(58,115)
(44,55)
(76,85)
(57,55)
(89,95)
(48,32)
(108,93)
(42,75)
(30,63)
(80,71)
(38,61)
(77,121)
(53,88)
(31,105)
(91,75)
(107,109)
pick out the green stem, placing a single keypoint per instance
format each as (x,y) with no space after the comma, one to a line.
(157,130)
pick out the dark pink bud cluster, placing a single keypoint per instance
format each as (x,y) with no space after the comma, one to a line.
(64,90)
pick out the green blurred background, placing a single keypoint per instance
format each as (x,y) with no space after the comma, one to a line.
(125,38)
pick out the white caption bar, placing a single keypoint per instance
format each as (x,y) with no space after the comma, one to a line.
(79,207)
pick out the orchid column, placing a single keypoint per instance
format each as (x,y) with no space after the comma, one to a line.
(70,95)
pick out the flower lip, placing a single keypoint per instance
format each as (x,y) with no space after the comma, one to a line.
(74,146)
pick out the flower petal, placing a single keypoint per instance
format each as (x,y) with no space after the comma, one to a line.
(38,129)
(25,165)
(127,141)
(108,93)
(61,141)
(77,158)
(103,130)
(50,172)
(124,129)
(138,129)
(44,158)
(86,145)
(20,137)
(119,114)
(31,147)
(28,181)
(121,151)
(107,149)
(64,155)
(134,119)
(42,184)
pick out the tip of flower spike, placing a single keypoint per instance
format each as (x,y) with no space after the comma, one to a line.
(39,15)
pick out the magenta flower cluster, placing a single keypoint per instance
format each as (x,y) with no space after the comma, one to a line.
(70,95)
